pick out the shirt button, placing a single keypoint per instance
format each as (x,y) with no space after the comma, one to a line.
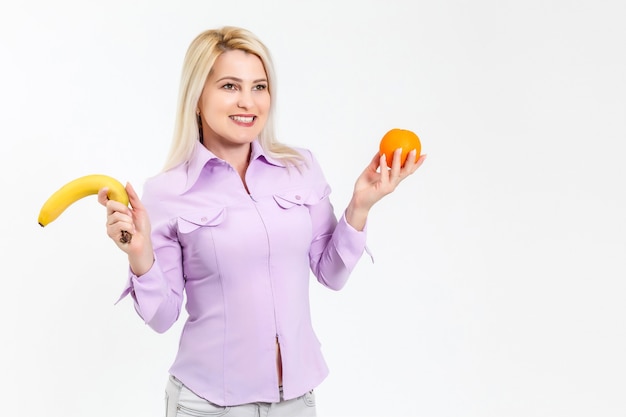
(298,197)
(203,220)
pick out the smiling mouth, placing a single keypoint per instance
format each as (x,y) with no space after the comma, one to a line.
(243,119)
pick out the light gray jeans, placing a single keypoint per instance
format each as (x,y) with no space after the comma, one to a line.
(182,402)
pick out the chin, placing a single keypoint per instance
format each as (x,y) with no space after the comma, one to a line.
(244,139)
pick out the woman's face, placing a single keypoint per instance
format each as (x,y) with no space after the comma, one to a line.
(235,101)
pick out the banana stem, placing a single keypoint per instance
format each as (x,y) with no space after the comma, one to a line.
(126,237)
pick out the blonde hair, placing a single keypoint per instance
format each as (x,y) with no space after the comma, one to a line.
(199,60)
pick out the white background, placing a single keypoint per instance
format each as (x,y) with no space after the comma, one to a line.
(498,287)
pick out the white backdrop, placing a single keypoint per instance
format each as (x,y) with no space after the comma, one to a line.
(498,285)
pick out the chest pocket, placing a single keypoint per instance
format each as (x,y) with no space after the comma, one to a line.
(193,221)
(296,197)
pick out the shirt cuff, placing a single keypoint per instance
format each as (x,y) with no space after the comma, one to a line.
(351,243)
(147,283)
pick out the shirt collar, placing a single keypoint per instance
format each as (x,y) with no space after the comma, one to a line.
(201,156)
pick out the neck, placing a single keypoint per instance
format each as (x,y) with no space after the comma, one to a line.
(236,155)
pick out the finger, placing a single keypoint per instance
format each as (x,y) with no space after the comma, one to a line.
(409,164)
(118,222)
(375,162)
(134,199)
(115,228)
(102,196)
(384,169)
(118,217)
(419,162)
(115,206)
(414,164)
(396,163)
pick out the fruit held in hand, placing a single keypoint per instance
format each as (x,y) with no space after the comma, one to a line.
(400,138)
(79,188)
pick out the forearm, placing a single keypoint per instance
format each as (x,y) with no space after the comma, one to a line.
(158,292)
(356,214)
(157,298)
(141,259)
(335,255)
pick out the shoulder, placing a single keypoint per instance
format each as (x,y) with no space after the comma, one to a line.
(312,172)
(160,190)
(309,160)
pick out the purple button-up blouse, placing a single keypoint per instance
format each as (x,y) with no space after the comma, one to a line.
(242,261)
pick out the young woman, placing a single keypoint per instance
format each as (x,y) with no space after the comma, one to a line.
(237,221)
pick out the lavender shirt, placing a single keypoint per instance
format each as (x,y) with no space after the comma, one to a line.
(244,262)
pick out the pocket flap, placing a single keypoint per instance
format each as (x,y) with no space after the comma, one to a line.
(190,222)
(288,199)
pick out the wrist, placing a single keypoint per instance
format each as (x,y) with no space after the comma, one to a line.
(142,260)
(356,215)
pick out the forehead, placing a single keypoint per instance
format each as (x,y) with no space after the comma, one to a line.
(238,64)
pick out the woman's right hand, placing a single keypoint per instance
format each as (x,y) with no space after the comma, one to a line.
(133,219)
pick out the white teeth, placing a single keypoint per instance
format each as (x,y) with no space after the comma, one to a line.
(242,119)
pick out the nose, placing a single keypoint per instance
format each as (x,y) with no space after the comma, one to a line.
(245,100)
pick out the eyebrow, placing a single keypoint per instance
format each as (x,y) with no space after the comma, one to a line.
(239,80)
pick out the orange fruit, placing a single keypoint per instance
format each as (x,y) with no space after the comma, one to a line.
(400,138)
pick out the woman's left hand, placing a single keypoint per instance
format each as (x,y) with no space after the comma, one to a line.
(376,181)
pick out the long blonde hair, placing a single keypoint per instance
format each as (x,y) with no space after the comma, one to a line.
(199,60)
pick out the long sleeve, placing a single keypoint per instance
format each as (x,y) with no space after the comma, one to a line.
(158,294)
(336,246)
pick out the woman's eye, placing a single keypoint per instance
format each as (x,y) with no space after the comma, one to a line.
(228,86)
(260,87)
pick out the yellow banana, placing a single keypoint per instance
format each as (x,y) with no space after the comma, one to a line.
(79,188)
